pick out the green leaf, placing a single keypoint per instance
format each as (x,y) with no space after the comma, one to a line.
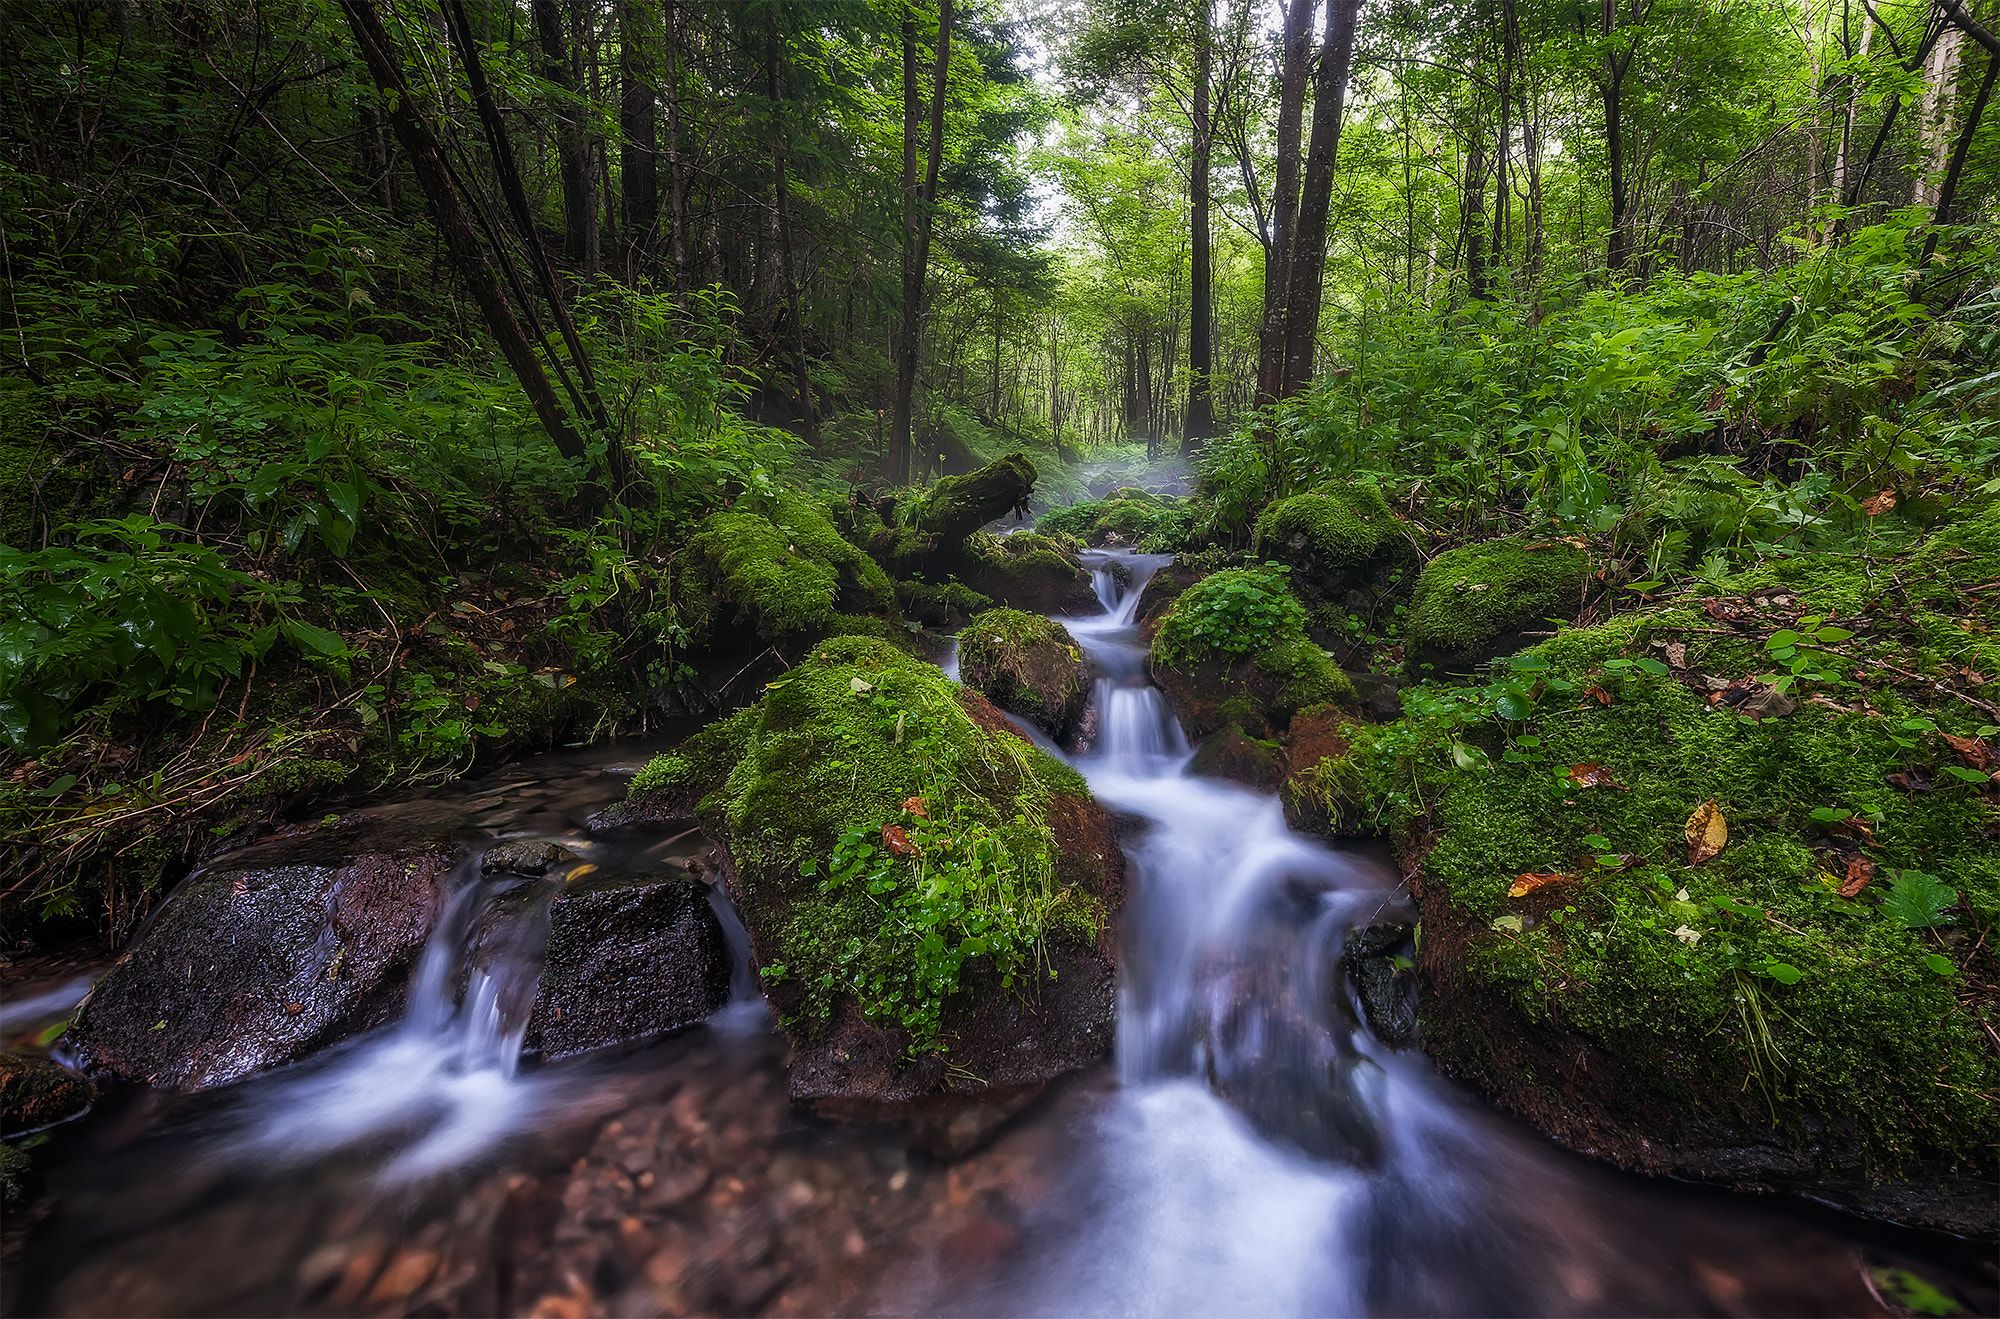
(1653,666)
(1829,635)
(1918,900)
(316,639)
(1939,964)
(1969,775)
(1780,639)
(1511,707)
(1784,973)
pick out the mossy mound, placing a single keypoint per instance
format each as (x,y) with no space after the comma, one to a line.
(1031,571)
(1126,516)
(1731,1017)
(1473,603)
(782,575)
(1026,664)
(946,605)
(914,877)
(1232,650)
(1328,531)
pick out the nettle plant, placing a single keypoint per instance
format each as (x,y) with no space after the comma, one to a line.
(1230,614)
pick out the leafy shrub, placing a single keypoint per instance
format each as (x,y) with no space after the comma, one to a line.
(1230,614)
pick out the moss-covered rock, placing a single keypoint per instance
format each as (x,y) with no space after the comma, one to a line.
(1326,788)
(782,575)
(1127,516)
(1473,603)
(1027,664)
(916,879)
(38,1092)
(1232,650)
(1327,532)
(948,604)
(1234,755)
(1027,570)
(1734,1017)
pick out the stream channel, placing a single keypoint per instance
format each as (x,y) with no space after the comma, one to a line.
(1251,1148)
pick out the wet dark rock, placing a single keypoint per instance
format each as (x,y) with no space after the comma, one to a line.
(1013,1042)
(38,1092)
(626,964)
(1380,695)
(531,857)
(1379,965)
(1234,755)
(251,968)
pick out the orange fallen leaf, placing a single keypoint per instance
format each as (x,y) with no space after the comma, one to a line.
(1598,694)
(897,841)
(915,806)
(1707,833)
(1860,871)
(1878,503)
(1975,753)
(1593,775)
(1526,884)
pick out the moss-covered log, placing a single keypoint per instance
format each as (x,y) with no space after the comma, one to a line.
(957,506)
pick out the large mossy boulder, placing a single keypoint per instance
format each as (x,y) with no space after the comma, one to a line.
(1736,945)
(1232,652)
(1027,570)
(1474,603)
(1330,534)
(928,897)
(1028,665)
(1126,517)
(781,571)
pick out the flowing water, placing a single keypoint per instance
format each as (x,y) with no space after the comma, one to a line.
(1253,1148)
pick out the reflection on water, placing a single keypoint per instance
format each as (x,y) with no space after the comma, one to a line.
(1252,1150)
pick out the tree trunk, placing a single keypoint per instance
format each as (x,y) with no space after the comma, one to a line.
(1503,139)
(1284,195)
(468,255)
(1306,269)
(1201,349)
(1473,217)
(572,162)
(918,224)
(1935,117)
(1618,251)
(638,128)
(677,218)
(782,201)
(1949,187)
(1845,152)
(913,280)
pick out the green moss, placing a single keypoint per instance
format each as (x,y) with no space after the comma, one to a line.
(787,574)
(704,760)
(1308,675)
(1128,515)
(307,774)
(1025,663)
(1870,1040)
(940,605)
(836,751)
(1335,526)
(866,625)
(1469,599)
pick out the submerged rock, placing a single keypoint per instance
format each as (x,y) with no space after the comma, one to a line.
(37,1093)
(1026,664)
(865,787)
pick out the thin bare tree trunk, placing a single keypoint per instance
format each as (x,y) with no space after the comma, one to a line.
(1935,117)
(638,130)
(781,197)
(1284,195)
(1201,349)
(677,217)
(468,255)
(917,226)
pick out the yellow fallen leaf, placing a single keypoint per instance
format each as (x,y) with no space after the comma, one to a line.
(1707,833)
(1526,884)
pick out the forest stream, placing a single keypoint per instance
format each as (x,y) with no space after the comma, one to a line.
(1251,1148)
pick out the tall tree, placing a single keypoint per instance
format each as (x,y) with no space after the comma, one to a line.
(638,137)
(920,204)
(1305,271)
(1294,66)
(1201,291)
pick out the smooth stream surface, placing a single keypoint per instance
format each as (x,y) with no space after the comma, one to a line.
(1250,1150)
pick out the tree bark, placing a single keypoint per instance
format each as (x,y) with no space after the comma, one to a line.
(1503,138)
(1284,196)
(1618,251)
(638,147)
(1969,130)
(1935,118)
(677,218)
(1201,349)
(1473,218)
(468,256)
(917,224)
(572,161)
(1306,269)
(781,198)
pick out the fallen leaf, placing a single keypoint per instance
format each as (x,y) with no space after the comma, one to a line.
(1909,782)
(1688,936)
(294,1009)
(857,686)
(1860,872)
(1593,775)
(1677,653)
(1508,923)
(915,806)
(897,841)
(1854,827)
(1879,503)
(1975,753)
(1707,833)
(1598,694)
(1526,884)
